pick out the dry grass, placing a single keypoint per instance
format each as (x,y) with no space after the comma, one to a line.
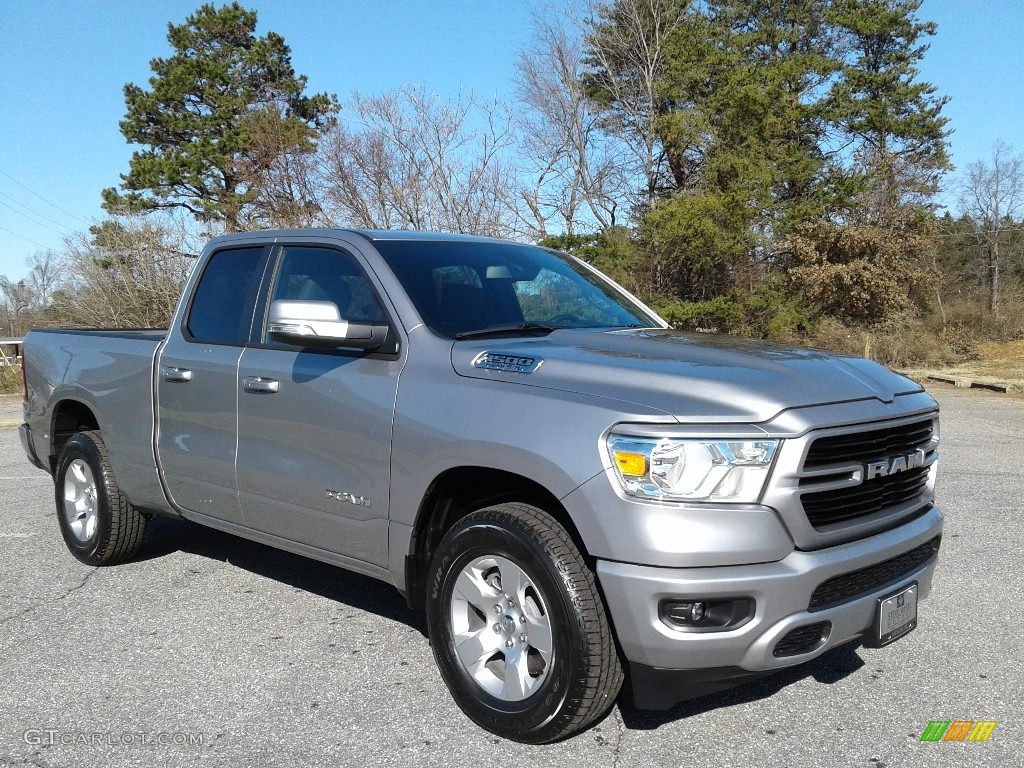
(10,379)
(1000,361)
(901,343)
(10,408)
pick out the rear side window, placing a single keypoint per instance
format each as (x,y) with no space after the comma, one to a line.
(222,307)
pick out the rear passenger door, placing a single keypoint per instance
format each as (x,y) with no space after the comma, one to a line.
(314,426)
(197,385)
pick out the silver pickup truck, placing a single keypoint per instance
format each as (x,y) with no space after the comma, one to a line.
(577,495)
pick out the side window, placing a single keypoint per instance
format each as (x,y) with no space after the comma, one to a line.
(325,274)
(222,307)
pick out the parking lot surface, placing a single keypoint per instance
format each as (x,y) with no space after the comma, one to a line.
(209,650)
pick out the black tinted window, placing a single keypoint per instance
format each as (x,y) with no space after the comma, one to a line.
(222,307)
(325,274)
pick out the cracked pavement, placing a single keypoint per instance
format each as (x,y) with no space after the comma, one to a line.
(271,660)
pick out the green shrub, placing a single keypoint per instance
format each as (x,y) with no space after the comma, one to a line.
(765,313)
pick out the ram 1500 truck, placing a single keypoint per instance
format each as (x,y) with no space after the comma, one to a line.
(576,494)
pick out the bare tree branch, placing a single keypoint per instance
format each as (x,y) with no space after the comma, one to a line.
(410,160)
(993,196)
(574,175)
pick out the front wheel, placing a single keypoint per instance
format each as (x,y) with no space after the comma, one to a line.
(99,525)
(518,628)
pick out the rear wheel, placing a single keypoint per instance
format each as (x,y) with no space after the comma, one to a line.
(99,525)
(518,628)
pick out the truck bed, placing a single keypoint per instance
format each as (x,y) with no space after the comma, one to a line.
(110,372)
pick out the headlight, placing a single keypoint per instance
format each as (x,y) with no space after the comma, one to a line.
(692,470)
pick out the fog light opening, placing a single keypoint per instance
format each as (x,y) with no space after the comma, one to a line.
(705,615)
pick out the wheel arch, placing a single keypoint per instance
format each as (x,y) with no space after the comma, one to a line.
(69,417)
(460,491)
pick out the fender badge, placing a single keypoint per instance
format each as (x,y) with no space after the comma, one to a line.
(494,361)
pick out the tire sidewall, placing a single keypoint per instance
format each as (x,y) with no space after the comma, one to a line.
(465,543)
(82,446)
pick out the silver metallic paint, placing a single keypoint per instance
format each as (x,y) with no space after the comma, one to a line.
(392,431)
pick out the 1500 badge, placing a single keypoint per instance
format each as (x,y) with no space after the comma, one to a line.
(494,361)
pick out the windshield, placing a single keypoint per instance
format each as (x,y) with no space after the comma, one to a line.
(463,287)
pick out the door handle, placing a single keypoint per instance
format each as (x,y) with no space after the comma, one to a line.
(259,385)
(170,373)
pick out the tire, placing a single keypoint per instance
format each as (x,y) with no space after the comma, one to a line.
(99,525)
(518,628)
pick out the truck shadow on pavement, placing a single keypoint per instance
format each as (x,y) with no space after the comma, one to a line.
(165,536)
(827,669)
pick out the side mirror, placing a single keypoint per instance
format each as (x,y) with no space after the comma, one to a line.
(319,325)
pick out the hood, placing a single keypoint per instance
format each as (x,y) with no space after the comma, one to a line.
(694,377)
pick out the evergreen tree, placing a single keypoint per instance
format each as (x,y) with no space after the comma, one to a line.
(221,112)
(773,116)
(741,123)
(892,118)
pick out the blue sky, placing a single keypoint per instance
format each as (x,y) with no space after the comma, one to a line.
(63,65)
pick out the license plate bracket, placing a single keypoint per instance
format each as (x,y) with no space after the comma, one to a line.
(895,617)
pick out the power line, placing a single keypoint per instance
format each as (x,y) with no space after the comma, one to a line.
(66,213)
(33,211)
(27,239)
(976,232)
(37,223)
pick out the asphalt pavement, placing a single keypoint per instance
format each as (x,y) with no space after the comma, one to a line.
(209,650)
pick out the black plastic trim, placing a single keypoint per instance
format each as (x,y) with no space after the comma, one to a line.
(855,584)
(805,639)
(25,433)
(656,688)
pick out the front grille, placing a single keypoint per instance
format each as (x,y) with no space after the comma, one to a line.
(850,586)
(824,508)
(862,447)
(803,639)
(827,507)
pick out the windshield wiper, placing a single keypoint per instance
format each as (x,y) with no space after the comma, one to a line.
(510,328)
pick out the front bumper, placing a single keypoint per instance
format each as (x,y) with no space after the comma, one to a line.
(782,592)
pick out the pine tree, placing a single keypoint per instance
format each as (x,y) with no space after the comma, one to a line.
(891,118)
(770,118)
(219,114)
